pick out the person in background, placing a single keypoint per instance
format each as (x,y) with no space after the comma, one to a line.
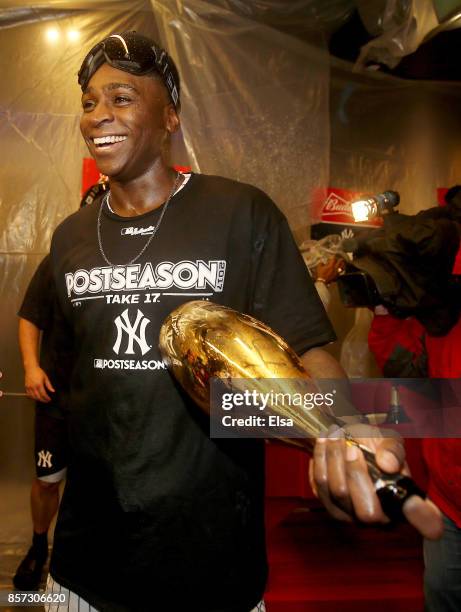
(46,368)
(404,349)
(45,381)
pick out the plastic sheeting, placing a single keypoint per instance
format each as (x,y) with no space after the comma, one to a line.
(295,16)
(387,133)
(42,150)
(256,101)
(256,107)
(402,26)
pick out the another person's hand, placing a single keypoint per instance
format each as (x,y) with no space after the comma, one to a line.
(329,271)
(339,477)
(38,384)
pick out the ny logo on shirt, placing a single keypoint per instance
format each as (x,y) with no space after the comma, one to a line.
(135,332)
(44,459)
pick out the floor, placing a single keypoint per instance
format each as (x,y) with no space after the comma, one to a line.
(320,565)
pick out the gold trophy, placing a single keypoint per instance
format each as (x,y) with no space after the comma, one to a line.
(201,340)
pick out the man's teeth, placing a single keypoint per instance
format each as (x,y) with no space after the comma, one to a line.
(108,140)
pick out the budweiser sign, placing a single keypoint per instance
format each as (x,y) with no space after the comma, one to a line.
(336,204)
(336,208)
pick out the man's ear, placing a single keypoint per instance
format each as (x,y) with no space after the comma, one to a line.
(172,122)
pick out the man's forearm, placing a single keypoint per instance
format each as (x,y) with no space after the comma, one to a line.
(29,343)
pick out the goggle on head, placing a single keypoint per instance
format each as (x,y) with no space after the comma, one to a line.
(133,53)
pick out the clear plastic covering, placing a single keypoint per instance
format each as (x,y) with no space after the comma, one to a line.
(42,150)
(255,102)
(400,26)
(321,251)
(256,105)
(262,103)
(388,133)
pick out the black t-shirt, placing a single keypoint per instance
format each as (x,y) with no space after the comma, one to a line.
(155,512)
(40,308)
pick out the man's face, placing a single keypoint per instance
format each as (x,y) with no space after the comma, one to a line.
(125,122)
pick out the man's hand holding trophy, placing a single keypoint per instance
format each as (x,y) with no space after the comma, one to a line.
(357,471)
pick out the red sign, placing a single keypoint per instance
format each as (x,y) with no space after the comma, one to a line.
(91,174)
(336,207)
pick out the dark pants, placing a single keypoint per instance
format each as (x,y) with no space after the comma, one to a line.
(442,577)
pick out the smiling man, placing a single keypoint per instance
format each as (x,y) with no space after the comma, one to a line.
(155,515)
